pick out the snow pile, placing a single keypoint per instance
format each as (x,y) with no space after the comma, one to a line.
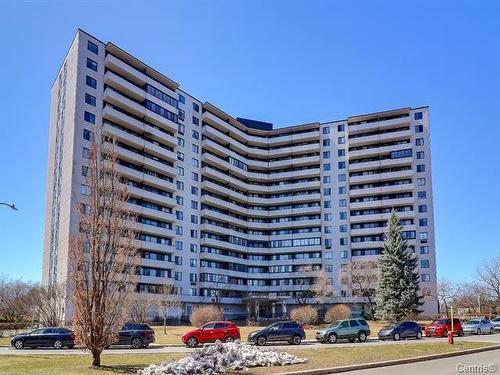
(219,358)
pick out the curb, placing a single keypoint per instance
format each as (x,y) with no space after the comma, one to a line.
(364,366)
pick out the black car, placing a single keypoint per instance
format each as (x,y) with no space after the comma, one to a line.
(281,331)
(46,337)
(137,335)
(400,330)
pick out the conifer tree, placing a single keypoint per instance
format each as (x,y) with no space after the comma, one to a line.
(398,281)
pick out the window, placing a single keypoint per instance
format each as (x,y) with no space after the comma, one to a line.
(353,323)
(341,152)
(180,156)
(91,82)
(327,191)
(326,130)
(194,219)
(342,189)
(84,189)
(196,121)
(180,141)
(421,168)
(194,233)
(418,116)
(164,97)
(85,153)
(419,142)
(328,229)
(193,248)
(182,99)
(343,215)
(342,202)
(326,167)
(92,47)
(178,246)
(91,64)
(327,204)
(85,171)
(341,140)
(341,127)
(89,117)
(422,222)
(87,134)
(179,230)
(326,154)
(419,128)
(328,243)
(328,255)
(343,254)
(326,142)
(194,205)
(89,99)
(342,177)
(192,291)
(192,262)
(421,181)
(343,228)
(180,185)
(194,190)
(424,236)
(401,153)
(195,163)
(181,128)
(195,149)
(178,275)
(424,249)
(196,135)
(420,155)
(329,268)
(180,171)
(343,241)
(328,217)
(327,179)
(179,215)
(343,293)
(196,107)
(422,208)
(424,263)
(426,277)
(422,195)
(180,200)
(341,164)
(194,176)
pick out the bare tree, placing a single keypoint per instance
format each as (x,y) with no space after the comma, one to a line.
(104,254)
(446,294)
(361,278)
(488,276)
(320,289)
(49,304)
(16,300)
(169,301)
(141,304)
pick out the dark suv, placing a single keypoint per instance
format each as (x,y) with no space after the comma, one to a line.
(137,335)
(281,331)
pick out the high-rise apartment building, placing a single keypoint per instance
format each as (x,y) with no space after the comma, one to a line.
(232,210)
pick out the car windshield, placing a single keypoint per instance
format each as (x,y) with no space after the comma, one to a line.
(473,322)
(439,321)
(336,323)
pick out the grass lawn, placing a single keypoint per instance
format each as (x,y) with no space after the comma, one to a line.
(4,341)
(130,363)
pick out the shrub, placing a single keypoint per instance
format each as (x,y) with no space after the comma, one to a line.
(205,314)
(305,315)
(337,312)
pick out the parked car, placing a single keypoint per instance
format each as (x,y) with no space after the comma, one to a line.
(441,327)
(349,329)
(54,337)
(478,326)
(211,332)
(137,335)
(400,330)
(289,331)
(496,323)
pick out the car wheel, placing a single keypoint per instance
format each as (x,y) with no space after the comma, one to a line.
(491,331)
(57,344)
(229,339)
(18,344)
(332,338)
(192,342)
(261,341)
(362,336)
(396,337)
(296,340)
(137,343)
(419,335)
(478,332)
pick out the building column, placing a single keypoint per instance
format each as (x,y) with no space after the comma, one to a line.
(283,308)
(273,307)
(257,311)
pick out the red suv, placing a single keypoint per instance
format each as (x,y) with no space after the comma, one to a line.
(211,332)
(441,327)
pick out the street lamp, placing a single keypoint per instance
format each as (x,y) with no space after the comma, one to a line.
(12,206)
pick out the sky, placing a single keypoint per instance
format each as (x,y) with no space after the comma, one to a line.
(285,62)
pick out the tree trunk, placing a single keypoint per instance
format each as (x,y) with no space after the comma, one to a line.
(164,323)
(96,358)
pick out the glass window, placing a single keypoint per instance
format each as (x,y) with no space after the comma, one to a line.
(423,236)
(326,130)
(327,191)
(421,168)
(342,202)
(89,117)
(91,82)
(424,263)
(179,200)
(326,154)
(326,142)
(179,215)
(424,249)
(182,99)
(341,140)
(326,167)
(422,195)
(419,128)
(327,179)
(419,142)
(196,107)
(180,141)
(180,171)
(420,155)
(426,277)
(342,190)
(343,215)
(328,255)
(341,164)
(421,181)
(343,254)
(87,134)
(92,47)
(422,208)
(90,99)
(85,153)
(340,128)
(180,156)
(342,177)
(196,121)
(91,64)
(422,222)
(418,116)
(341,152)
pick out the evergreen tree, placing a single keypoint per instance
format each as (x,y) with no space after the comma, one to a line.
(398,281)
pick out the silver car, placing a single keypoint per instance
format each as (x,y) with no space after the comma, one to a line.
(496,323)
(478,326)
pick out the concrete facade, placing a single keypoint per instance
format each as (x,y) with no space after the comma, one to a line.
(229,208)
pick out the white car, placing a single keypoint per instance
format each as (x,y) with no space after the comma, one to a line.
(478,326)
(496,323)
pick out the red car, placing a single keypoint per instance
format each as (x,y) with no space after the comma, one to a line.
(211,332)
(441,327)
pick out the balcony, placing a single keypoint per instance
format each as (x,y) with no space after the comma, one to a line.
(122,85)
(381,138)
(120,118)
(115,98)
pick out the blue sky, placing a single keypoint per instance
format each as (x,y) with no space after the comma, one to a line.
(285,62)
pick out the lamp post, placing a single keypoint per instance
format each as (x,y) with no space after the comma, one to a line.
(11,206)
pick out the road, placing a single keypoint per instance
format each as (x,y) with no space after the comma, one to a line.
(479,363)
(155,349)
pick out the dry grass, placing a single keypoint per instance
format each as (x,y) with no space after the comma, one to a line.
(130,363)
